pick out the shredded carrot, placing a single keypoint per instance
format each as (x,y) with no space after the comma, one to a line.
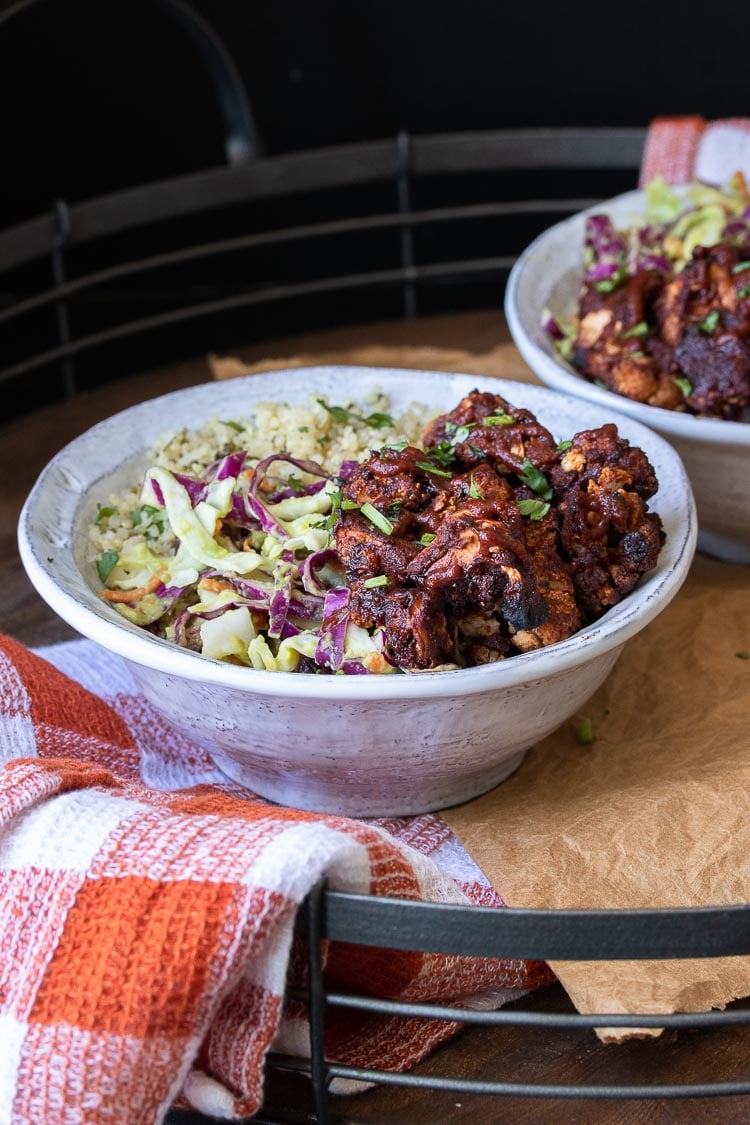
(247,545)
(266,486)
(132,595)
(249,473)
(217,527)
(215,585)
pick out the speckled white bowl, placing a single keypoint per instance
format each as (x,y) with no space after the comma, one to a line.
(359,745)
(716,453)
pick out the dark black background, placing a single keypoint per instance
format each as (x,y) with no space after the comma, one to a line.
(100,94)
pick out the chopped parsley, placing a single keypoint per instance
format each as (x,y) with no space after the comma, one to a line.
(340,414)
(461,435)
(427,538)
(684,384)
(585,732)
(349,505)
(640,329)
(741,267)
(498,419)
(302,429)
(534,509)
(374,516)
(429,467)
(103,512)
(535,479)
(608,284)
(443,453)
(562,446)
(474,492)
(297,486)
(106,563)
(743,292)
(709,323)
(378,580)
(234,426)
(397,445)
(637,355)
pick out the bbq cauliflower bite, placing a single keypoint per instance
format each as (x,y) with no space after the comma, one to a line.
(470,563)
(610,346)
(703,315)
(679,342)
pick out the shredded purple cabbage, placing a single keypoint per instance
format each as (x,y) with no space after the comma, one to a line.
(330,650)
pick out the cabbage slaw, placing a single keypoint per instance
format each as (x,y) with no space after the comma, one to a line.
(253,578)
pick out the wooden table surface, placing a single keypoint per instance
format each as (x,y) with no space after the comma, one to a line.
(476,342)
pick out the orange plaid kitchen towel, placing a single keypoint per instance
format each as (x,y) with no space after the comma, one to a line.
(147,909)
(681,149)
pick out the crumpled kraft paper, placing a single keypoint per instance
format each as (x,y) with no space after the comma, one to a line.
(655,813)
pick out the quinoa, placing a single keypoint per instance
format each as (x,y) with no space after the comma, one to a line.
(305,431)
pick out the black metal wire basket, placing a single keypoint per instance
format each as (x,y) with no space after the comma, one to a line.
(266,245)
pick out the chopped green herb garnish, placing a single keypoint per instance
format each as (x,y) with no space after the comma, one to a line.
(302,429)
(429,467)
(741,267)
(397,445)
(349,505)
(427,538)
(534,509)
(709,324)
(743,292)
(640,329)
(336,503)
(374,516)
(563,445)
(498,419)
(103,512)
(136,516)
(637,355)
(742,655)
(608,284)
(106,563)
(461,435)
(585,732)
(378,580)
(684,384)
(341,414)
(234,426)
(443,453)
(476,451)
(474,492)
(296,485)
(535,479)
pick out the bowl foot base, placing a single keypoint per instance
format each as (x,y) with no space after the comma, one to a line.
(724,547)
(363,800)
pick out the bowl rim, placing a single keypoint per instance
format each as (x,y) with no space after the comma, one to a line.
(141,648)
(556,373)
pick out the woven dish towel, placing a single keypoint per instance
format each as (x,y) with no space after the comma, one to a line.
(147,909)
(681,149)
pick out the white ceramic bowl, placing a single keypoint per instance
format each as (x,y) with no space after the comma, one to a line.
(716,453)
(358,745)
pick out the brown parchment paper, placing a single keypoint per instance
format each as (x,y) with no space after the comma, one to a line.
(656,811)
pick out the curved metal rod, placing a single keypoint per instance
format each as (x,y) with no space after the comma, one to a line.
(433,272)
(241,139)
(291,234)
